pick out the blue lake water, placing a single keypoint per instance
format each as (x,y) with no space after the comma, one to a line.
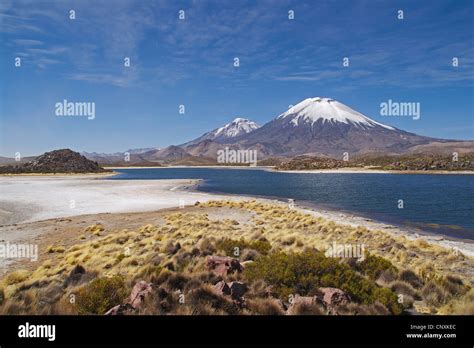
(441,204)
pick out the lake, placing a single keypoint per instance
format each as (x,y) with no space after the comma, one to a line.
(442,204)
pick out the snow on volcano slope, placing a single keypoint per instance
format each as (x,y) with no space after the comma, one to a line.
(328,110)
(237,127)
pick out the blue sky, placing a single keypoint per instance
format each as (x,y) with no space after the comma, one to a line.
(190,62)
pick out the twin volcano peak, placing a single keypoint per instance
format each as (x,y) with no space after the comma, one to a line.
(237,127)
(327,111)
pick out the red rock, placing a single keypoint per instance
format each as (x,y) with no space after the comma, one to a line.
(139,292)
(137,297)
(121,309)
(222,288)
(334,297)
(222,265)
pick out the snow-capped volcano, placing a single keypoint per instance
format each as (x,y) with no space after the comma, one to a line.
(315,126)
(238,127)
(324,126)
(312,110)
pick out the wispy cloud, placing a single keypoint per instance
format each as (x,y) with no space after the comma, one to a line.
(120,80)
(26,42)
(270,47)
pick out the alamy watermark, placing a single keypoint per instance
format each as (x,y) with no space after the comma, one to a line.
(66,108)
(231,156)
(19,251)
(28,330)
(356,251)
(392,108)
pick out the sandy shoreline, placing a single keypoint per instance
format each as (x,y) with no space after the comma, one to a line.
(26,204)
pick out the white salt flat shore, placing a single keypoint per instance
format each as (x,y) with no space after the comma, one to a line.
(25,199)
(35,198)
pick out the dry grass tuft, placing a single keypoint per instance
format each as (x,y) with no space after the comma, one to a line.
(265,306)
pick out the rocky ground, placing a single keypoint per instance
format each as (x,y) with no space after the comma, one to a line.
(307,163)
(418,162)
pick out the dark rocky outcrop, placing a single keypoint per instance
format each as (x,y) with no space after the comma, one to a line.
(415,162)
(308,163)
(421,162)
(57,161)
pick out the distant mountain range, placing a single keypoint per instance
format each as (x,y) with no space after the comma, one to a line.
(130,157)
(317,126)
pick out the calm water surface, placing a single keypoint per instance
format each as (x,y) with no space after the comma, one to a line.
(435,203)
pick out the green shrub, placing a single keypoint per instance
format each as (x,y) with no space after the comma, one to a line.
(229,246)
(373,266)
(100,295)
(300,273)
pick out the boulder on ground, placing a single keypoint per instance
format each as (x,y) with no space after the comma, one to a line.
(137,297)
(333,298)
(121,309)
(237,290)
(223,265)
(222,288)
(299,301)
(139,293)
